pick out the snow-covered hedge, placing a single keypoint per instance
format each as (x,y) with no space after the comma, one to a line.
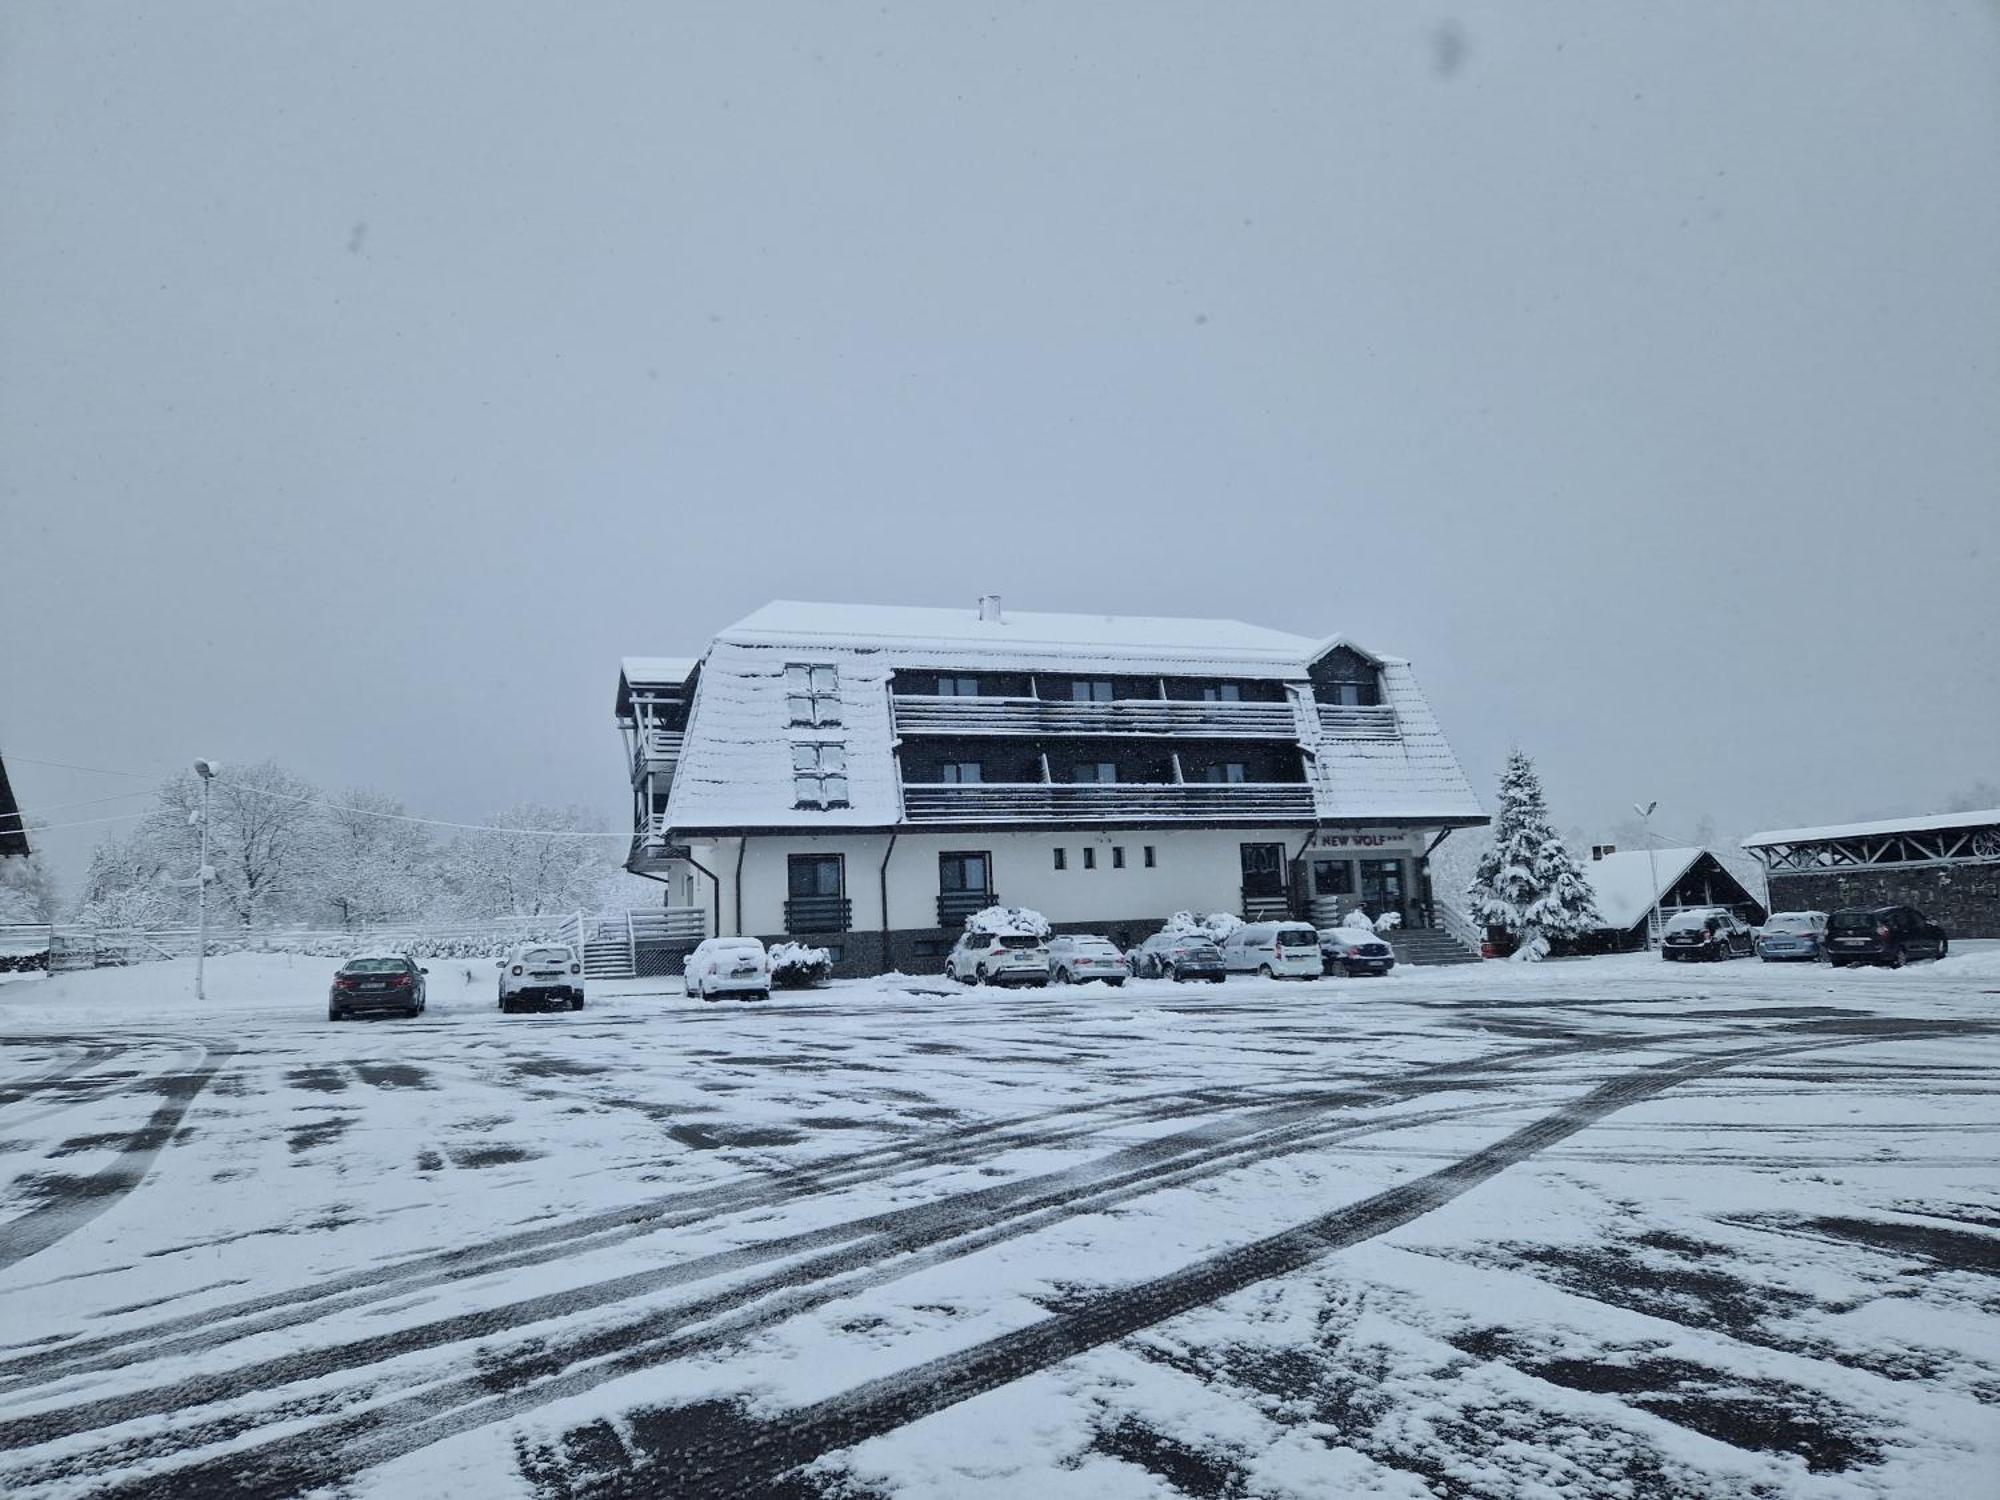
(794,966)
(1216,926)
(1008,921)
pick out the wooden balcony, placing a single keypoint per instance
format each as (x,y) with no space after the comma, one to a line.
(955,906)
(650,849)
(657,751)
(818,914)
(1097,802)
(1154,717)
(1348,722)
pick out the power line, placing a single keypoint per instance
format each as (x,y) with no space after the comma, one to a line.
(370,812)
(63,765)
(86,822)
(36,812)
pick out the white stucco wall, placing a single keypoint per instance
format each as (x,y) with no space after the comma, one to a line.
(1196,869)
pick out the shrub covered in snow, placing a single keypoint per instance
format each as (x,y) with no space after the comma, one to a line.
(794,966)
(1006,921)
(1216,926)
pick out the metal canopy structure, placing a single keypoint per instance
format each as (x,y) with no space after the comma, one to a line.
(1947,839)
(13,832)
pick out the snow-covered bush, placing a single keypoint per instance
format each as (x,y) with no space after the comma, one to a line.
(1008,921)
(794,966)
(1389,921)
(1216,926)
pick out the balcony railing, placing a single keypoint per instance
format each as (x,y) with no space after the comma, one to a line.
(818,914)
(955,906)
(1340,721)
(656,750)
(1097,802)
(1134,716)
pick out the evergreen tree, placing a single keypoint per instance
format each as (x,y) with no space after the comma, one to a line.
(1528,883)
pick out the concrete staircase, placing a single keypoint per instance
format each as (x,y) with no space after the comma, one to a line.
(1425,946)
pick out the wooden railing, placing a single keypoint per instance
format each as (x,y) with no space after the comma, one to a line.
(656,750)
(1342,721)
(955,906)
(1099,802)
(1123,716)
(818,914)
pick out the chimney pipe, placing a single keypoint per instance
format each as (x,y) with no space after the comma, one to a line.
(989,607)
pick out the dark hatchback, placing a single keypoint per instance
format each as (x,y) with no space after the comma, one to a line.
(1693,936)
(376,982)
(1891,935)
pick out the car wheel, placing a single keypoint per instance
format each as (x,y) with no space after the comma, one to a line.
(576,1004)
(1896,959)
(1264,972)
(1836,963)
(1063,977)
(1165,970)
(979,975)
(1944,946)
(1112,984)
(333,1014)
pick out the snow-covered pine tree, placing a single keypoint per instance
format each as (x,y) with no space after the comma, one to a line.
(1528,883)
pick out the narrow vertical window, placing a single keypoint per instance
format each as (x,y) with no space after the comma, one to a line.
(1089,857)
(1117,856)
(1150,860)
(1062,859)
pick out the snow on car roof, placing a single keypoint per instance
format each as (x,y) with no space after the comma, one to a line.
(1627,886)
(1926,824)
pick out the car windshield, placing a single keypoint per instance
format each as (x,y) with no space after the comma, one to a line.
(546,956)
(1017,940)
(1298,937)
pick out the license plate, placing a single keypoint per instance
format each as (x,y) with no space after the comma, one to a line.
(1852,942)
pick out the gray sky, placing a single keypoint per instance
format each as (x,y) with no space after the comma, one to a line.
(376,375)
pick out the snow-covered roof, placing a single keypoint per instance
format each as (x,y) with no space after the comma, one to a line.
(658,671)
(1929,823)
(736,767)
(1081,642)
(1627,886)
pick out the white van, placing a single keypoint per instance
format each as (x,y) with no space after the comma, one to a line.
(1275,950)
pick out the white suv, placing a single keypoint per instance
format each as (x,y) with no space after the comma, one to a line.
(729,966)
(540,975)
(999,958)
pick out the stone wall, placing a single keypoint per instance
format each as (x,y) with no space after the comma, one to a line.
(1964,899)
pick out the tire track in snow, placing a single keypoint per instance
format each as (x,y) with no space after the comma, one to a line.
(195,1332)
(83,1199)
(534,1373)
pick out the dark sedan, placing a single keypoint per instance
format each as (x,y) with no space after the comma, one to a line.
(1891,935)
(378,982)
(1179,956)
(1692,936)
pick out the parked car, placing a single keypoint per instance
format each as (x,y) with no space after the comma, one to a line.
(1792,934)
(1275,950)
(541,976)
(999,958)
(1706,933)
(1078,958)
(1891,935)
(1354,950)
(376,982)
(729,966)
(1177,955)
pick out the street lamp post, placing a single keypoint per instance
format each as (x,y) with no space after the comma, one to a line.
(1652,872)
(205,769)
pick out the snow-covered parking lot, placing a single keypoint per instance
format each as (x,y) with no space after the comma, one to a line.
(1598,1228)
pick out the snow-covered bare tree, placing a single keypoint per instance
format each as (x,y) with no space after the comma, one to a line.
(27,890)
(367,864)
(140,878)
(497,872)
(1528,883)
(260,838)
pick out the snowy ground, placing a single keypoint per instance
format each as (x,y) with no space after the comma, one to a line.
(1601,1228)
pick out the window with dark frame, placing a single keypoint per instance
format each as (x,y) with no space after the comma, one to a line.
(1149,859)
(962,772)
(950,686)
(815,875)
(1090,689)
(1117,856)
(1089,857)
(1222,692)
(1062,859)
(812,694)
(965,872)
(1099,772)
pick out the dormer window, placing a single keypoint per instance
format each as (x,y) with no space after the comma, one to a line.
(1345,678)
(812,694)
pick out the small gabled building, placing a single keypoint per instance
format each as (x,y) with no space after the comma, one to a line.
(1947,865)
(1631,885)
(867,776)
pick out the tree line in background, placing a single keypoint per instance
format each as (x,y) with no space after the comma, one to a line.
(283,853)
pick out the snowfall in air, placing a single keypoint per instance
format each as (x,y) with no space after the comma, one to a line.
(1597,1228)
